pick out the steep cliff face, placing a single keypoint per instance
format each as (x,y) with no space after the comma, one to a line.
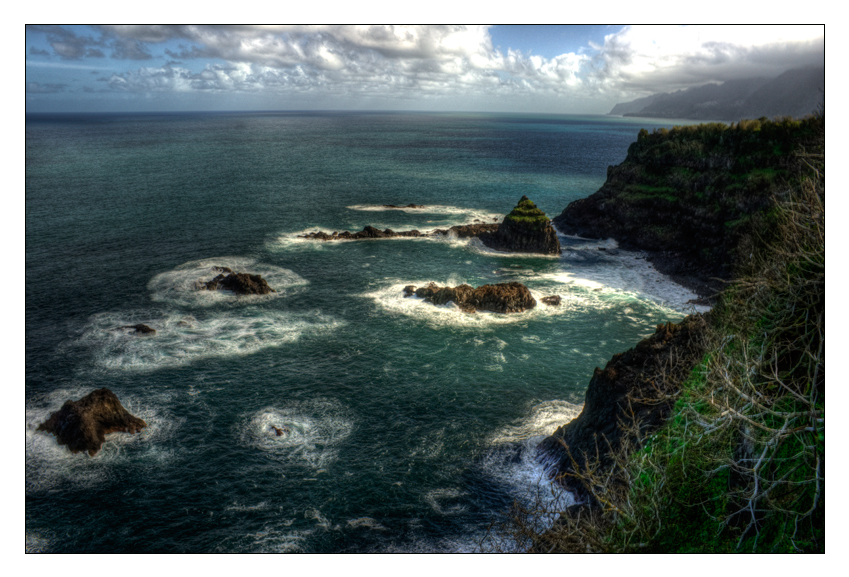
(525,229)
(688,194)
(635,389)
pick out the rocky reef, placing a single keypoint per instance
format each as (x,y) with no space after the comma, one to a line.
(635,389)
(239,282)
(525,229)
(367,232)
(510,297)
(83,425)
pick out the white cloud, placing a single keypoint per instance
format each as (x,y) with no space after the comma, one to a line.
(449,61)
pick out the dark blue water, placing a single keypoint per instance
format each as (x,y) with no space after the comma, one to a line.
(412,426)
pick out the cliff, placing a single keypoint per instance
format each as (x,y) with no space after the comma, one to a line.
(709,435)
(794,93)
(688,195)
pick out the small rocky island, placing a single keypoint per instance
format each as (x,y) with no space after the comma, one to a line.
(83,425)
(512,297)
(238,282)
(525,229)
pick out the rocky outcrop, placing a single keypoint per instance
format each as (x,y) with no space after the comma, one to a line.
(552,301)
(636,388)
(468,230)
(525,229)
(140,329)
(240,283)
(83,425)
(411,205)
(370,232)
(688,195)
(366,233)
(510,297)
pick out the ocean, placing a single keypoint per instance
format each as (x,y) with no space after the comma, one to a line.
(412,426)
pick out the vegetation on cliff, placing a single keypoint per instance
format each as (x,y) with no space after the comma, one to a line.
(692,192)
(739,465)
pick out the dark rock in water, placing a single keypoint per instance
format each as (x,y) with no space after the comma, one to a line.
(408,206)
(368,232)
(635,387)
(222,269)
(409,290)
(552,301)
(281,431)
(83,425)
(525,229)
(141,329)
(468,230)
(510,297)
(240,283)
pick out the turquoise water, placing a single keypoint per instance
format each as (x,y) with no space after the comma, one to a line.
(412,426)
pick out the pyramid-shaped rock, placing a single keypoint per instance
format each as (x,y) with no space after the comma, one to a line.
(525,229)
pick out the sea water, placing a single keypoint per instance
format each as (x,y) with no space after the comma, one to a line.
(411,427)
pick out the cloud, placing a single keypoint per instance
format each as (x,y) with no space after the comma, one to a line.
(427,62)
(68,45)
(646,59)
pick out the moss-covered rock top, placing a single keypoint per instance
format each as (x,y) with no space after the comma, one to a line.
(527,212)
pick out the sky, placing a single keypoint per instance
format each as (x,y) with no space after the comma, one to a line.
(568,69)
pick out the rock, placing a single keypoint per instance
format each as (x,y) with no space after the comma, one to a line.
(552,301)
(368,232)
(83,425)
(408,206)
(525,229)
(240,283)
(281,431)
(140,329)
(510,297)
(409,290)
(635,386)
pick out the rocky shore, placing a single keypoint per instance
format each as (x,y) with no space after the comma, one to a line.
(633,395)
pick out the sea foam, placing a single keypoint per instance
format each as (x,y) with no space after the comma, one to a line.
(183,338)
(315,430)
(183,284)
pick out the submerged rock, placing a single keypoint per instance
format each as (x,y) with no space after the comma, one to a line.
(83,425)
(240,283)
(525,229)
(140,329)
(510,297)
(552,301)
(408,206)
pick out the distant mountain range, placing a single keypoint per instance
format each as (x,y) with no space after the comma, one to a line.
(794,93)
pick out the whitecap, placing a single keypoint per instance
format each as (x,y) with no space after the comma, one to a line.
(312,432)
(181,339)
(183,284)
(391,298)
